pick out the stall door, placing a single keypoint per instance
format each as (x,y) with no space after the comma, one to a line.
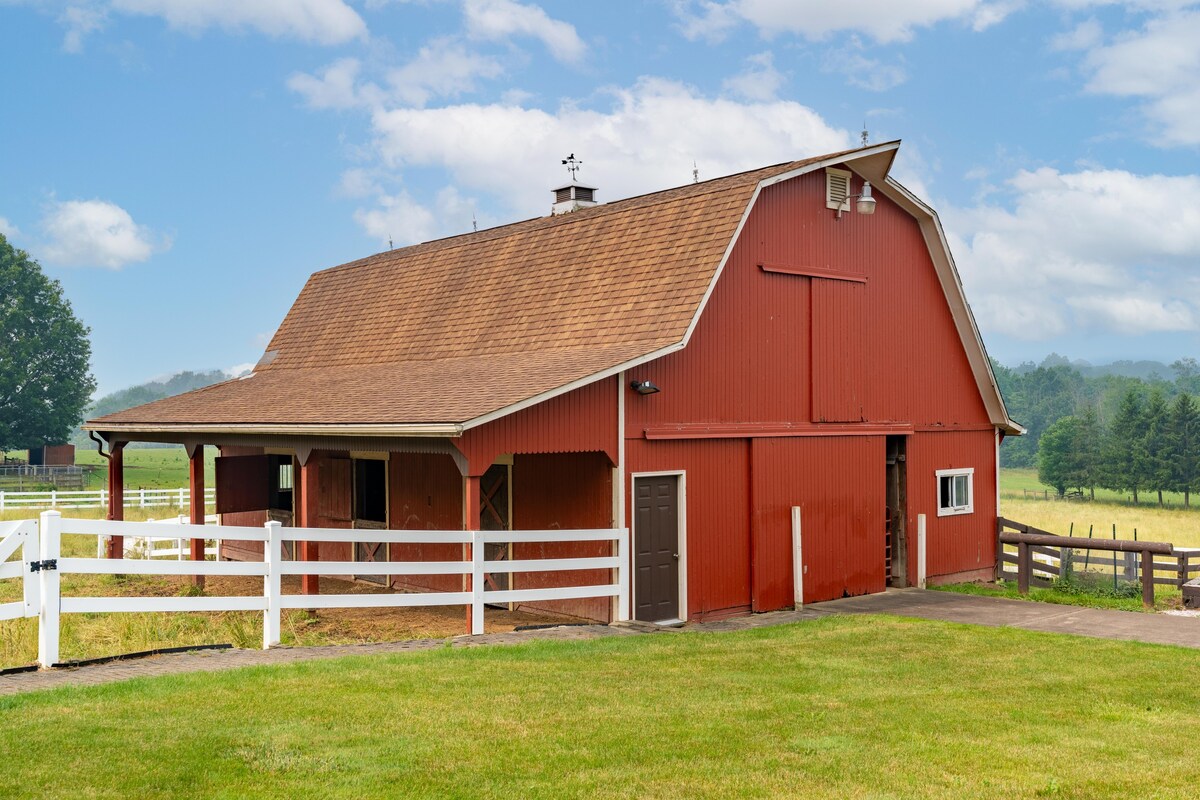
(494,515)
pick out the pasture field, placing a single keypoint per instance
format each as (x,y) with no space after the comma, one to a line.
(155,467)
(849,707)
(1178,526)
(1016,482)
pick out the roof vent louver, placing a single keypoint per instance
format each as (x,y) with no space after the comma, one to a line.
(573,196)
(837,189)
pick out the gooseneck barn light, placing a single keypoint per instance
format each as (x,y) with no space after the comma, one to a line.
(865,202)
(644,387)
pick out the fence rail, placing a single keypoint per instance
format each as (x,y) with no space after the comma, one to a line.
(1042,557)
(42,566)
(134,498)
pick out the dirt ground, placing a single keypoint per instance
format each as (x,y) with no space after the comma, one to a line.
(358,624)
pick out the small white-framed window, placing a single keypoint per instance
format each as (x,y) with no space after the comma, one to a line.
(956,491)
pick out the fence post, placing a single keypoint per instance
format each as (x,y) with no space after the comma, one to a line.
(1147,579)
(921,551)
(797,561)
(51,532)
(141,498)
(1066,565)
(477,549)
(54,498)
(1130,567)
(1182,573)
(1023,567)
(623,575)
(272,588)
(1,501)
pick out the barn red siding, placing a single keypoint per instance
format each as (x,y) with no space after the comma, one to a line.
(580,421)
(236,549)
(559,492)
(838,482)
(717,506)
(751,356)
(425,493)
(959,543)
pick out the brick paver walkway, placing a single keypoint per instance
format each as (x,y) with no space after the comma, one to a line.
(945,606)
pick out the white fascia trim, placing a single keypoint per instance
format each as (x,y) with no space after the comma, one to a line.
(712,285)
(433,429)
(987,382)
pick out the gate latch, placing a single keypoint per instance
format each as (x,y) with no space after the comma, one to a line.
(48,564)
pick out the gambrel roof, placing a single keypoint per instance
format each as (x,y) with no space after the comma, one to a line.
(445,335)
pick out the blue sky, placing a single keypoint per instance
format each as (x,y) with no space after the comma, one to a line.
(182,166)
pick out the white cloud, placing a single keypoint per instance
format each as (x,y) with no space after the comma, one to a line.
(634,146)
(442,68)
(8,229)
(1159,64)
(397,218)
(1094,250)
(1083,36)
(760,80)
(499,20)
(96,233)
(320,21)
(816,19)
(859,70)
(238,370)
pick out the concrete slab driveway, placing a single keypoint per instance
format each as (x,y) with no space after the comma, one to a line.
(1002,612)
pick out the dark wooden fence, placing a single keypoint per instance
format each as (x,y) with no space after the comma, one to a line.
(1041,557)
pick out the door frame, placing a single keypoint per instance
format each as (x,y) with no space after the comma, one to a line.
(680,536)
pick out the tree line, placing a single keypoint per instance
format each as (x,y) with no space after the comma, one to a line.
(1150,445)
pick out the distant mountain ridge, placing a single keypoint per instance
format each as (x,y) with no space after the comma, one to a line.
(147,392)
(1144,370)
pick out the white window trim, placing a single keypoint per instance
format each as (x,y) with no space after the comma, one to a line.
(969,508)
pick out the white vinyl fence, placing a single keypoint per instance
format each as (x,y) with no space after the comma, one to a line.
(177,547)
(98,498)
(42,574)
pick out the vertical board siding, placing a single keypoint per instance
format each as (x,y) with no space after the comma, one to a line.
(749,357)
(717,508)
(958,543)
(425,493)
(579,421)
(236,549)
(839,484)
(561,491)
(841,384)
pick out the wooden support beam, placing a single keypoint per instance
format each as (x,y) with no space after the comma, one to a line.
(1023,567)
(196,504)
(306,508)
(1148,579)
(116,496)
(472,512)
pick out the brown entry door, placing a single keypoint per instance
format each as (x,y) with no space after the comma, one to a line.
(656,548)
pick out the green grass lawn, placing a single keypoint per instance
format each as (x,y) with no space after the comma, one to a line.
(850,707)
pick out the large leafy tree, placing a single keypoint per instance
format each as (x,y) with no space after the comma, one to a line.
(44,353)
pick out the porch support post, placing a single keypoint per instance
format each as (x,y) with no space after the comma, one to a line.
(471,522)
(196,503)
(307,512)
(116,496)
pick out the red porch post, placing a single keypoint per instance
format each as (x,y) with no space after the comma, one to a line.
(471,522)
(116,495)
(306,507)
(196,503)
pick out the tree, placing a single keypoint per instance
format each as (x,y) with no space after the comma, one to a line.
(1123,450)
(1058,464)
(1183,447)
(1089,439)
(1155,466)
(44,353)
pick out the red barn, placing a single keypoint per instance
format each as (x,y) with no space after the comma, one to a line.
(691,364)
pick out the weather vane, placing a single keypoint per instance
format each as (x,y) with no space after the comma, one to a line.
(572,164)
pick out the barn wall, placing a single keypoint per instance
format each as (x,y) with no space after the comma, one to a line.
(752,353)
(717,506)
(959,543)
(233,549)
(838,482)
(561,491)
(425,493)
(584,420)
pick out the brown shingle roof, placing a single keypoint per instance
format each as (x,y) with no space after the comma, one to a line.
(449,330)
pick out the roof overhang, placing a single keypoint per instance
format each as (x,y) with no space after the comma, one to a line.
(114,430)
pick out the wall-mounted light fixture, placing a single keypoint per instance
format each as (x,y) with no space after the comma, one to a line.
(644,387)
(865,202)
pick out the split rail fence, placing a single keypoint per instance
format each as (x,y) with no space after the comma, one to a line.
(134,498)
(1042,557)
(41,566)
